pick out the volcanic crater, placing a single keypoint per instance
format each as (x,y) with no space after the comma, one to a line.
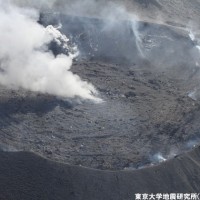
(145,86)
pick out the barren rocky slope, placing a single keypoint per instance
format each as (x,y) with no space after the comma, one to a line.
(26,176)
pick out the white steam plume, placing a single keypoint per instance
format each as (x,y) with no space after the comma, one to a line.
(157,158)
(39,4)
(194,39)
(26,62)
(112,12)
(137,38)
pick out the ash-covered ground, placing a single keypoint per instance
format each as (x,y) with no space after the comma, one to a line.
(148,81)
